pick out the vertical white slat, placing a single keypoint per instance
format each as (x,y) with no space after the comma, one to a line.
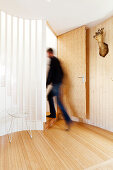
(0,49)
(5,72)
(33,63)
(0,74)
(2,117)
(14,68)
(11,64)
(43,67)
(20,71)
(18,64)
(23,62)
(17,67)
(23,65)
(9,59)
(36,70)
(26,74)
(8,72)
(30,110)
(39,71)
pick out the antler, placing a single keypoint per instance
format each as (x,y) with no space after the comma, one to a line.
(100,31)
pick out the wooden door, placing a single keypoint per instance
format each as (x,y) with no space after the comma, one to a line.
(72,53)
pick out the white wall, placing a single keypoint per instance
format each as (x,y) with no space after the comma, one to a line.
(22,71)
(51,41)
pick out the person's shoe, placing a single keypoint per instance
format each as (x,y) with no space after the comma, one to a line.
(51,116)
(69,125)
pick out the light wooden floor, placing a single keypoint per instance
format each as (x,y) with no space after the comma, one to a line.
(84,147)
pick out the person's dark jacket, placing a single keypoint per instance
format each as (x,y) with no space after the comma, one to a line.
(55,74)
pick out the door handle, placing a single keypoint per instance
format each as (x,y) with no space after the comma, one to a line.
(83,79)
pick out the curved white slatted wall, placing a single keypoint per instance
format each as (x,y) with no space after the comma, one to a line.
(22,70)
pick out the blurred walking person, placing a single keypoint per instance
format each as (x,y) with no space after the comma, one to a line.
(55,77)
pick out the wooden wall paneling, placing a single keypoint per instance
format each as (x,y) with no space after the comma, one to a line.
(99,75)
(100,78)
(87,74)
(72,53)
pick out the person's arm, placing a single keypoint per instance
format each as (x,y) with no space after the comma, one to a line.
(49,77)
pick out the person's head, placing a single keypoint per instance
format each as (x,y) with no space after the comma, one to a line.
(50,52)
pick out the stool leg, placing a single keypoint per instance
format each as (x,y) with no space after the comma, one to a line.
(29,130)
(10,130)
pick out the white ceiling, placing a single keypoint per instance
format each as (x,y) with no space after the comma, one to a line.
(62,15)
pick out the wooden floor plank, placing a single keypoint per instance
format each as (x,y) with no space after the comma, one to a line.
(81,152)
(83,147)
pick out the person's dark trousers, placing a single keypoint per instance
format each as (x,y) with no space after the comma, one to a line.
(51,103)
(55,91)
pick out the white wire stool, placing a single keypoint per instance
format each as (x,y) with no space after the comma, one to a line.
(18,116)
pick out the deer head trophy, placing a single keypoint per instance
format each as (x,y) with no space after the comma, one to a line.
(103,47)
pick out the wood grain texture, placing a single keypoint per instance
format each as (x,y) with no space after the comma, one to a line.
(100,74)
(83,147)
(72,53)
